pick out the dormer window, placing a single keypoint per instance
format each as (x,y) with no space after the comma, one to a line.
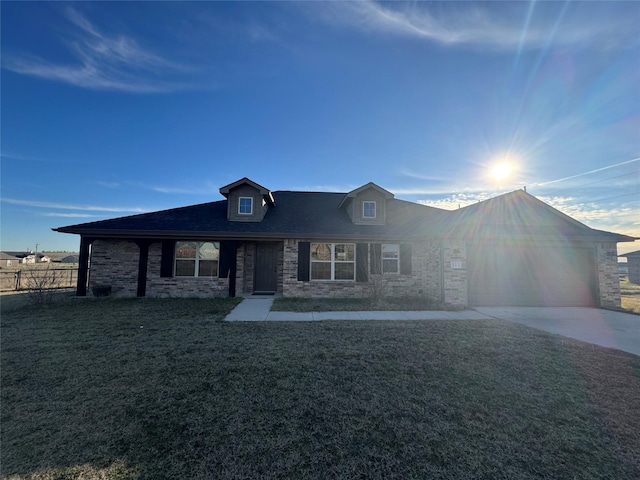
(368,209)
(245,206)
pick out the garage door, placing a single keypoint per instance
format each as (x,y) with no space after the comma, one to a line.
(531,276)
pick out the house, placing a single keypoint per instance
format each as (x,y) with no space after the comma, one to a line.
(31,259)
(8,260)
(510,250)
(633,266)
(623,269)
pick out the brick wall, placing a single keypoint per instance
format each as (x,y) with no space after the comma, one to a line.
(608,275)
(245,268)
(424,278)
(115,263)
(454,255)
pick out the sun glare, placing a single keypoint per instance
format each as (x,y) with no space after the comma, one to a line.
(502,171)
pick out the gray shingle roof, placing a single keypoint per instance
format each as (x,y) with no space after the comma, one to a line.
(317,215)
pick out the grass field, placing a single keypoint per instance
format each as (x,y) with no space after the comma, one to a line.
(153,389)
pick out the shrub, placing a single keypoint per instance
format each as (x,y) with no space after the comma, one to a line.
(40,284)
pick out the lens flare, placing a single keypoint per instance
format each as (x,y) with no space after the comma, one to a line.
(502,171)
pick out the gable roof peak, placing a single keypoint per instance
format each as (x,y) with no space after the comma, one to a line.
(244,180)
(265,192)
(354,193)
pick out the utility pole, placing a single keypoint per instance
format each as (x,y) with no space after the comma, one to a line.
(36,257)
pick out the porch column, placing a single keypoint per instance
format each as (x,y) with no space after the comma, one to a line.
(83,267)
(143,261)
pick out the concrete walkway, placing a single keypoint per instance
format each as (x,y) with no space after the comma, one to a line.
(600,327)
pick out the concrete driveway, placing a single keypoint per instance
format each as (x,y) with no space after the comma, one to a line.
(601,327)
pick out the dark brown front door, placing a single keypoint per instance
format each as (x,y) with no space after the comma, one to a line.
(266,267)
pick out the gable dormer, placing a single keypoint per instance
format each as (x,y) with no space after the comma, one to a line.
(247,201)
(367,205)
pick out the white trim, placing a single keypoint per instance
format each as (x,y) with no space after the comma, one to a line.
(382,259)
(375,209)
(197,259)
(240,203)
(333,261)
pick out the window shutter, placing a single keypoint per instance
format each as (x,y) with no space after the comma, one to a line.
(166,261)
(376,258)
(304,261)
(227,265)
(405,259)
(362,264)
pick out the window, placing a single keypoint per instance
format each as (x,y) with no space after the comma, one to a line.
(333,261)
(197,259)
(368,209)
(245,205)
(390,258)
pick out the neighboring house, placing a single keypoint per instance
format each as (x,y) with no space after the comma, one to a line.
(31,259)
(69,259)
(7,260)
(633,266)
(509,250)
(623,269)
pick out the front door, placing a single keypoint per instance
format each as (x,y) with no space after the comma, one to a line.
(266,267)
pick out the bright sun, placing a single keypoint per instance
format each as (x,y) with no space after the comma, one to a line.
(502,170)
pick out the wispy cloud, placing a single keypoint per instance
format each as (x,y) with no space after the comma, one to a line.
(104,62)
(183,190)
(63,206)
(70,215)
(618,218)
(590,172)
(468,24)
(458,200)
(108,184)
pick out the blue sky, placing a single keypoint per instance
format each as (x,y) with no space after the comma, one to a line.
(116,108)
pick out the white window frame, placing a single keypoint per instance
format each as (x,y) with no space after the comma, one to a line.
(197,259)
(382,259)
(364,209)
(333,263)
(240,212)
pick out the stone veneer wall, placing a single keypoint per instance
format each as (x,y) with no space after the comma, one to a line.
(424,278)
(249,257)
(454,254)
(245,268)
(115,263)
(608,275)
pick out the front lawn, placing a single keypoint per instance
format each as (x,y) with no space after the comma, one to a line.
(358,304)
(153,389)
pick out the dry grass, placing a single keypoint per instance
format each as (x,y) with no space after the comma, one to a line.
(630,294)
(358,304)
(152,389)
